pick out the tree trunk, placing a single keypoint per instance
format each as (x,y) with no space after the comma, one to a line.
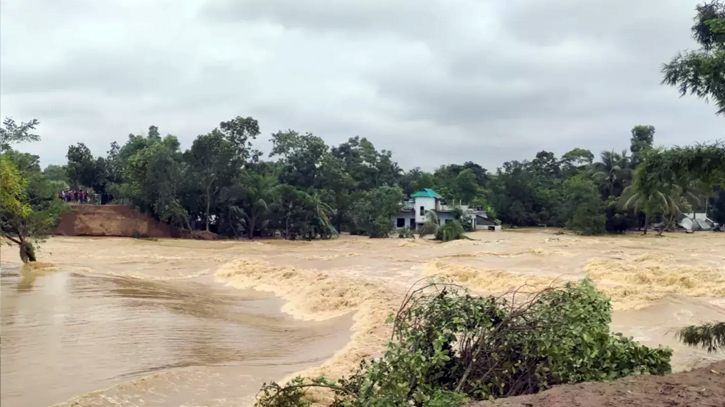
(231,225)
(250,232)
(208,205)
(646,222)
(286,229)
(27,252)
(338,221)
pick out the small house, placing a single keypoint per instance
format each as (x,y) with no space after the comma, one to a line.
(414,212)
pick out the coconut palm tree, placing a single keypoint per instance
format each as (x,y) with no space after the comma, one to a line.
(431,225)
(252,210)
(323,212)
(709,336)
(613,169)
(654,198)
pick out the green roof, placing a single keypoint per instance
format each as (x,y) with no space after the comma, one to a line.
(426,193)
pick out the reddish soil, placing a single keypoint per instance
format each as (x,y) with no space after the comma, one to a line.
(110,220)
(696,388)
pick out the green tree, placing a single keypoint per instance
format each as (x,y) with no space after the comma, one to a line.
(583,208)
(578,157)
(654,198)
(250,201)
(422,181)
(29,209)
(154,176)
(612,172)
(466,186)
(291,210)
(241,131)
(523,197)
(322,214)
(32,208)
(373,212)
(13,198)
(576,160)
(546,165)
(301,155)
(367,166)
(700,72)
(83,170)
(337,190)
(642,139)
(12,133)
(214,163)
(58,175)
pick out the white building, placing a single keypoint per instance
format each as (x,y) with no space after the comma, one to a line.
(413,213)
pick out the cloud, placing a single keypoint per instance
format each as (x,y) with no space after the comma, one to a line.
(436,82)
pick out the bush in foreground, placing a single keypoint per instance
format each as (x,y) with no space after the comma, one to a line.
(448,347)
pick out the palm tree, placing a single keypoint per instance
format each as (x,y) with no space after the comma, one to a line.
(253,209)
(709,336)
(431,225)
(323,212)
(612,168)
(654,198)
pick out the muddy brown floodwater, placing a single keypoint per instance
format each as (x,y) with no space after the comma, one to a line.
(168,343)
(128,322)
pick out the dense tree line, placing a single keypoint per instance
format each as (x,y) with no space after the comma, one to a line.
(307,188)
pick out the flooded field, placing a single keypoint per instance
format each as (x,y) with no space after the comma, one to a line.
(173,321)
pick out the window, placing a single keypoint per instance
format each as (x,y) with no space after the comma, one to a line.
(422,211)
(401,222)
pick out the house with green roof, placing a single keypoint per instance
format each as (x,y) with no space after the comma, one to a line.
(414,211)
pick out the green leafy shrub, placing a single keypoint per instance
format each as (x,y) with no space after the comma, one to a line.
(406,233)
(428,228)
(452,230)
(448,347)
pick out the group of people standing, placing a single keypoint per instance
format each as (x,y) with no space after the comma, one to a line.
(77,196)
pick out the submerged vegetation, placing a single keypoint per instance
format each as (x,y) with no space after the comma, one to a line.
(709,336)
(448,347)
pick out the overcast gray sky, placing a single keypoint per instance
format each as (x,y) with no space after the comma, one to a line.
(435,81)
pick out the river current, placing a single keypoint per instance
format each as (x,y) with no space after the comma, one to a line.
(68,334)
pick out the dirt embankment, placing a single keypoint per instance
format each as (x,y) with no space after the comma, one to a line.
(110,220)
(699,387)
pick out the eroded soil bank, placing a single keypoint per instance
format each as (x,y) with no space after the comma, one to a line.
(700,387)
(656,284)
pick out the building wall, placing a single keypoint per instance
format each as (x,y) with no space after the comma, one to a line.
(482,223)
(428,204)
(444,217)
(404,215)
